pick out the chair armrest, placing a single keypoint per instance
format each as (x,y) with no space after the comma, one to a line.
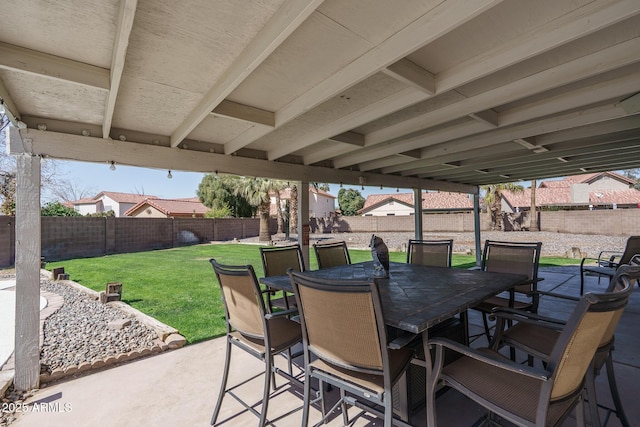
(282,313)
(530,318)
(555,295)
(497,361)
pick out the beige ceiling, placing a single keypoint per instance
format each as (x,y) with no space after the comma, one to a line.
(432,94)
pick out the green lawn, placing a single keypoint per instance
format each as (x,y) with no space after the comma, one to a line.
(177,286)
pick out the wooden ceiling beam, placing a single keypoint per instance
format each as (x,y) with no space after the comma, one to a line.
(245,113)
(52,67)
(611,58)
(284,22)
(90,149)
(350,121)
(413,75)
(565,101)
(120,44)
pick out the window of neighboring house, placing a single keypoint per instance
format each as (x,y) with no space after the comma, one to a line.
(108,208)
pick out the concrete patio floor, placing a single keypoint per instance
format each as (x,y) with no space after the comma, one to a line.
(179,388)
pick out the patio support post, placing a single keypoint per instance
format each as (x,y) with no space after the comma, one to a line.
(417,206)
(28,249)
(476,227)
(303,220)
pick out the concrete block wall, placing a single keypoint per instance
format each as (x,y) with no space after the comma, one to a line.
(454,222)
(72,236)
(610,222)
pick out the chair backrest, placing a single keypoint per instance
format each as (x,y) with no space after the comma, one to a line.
(435,253)
(513,257)
(243,303)
(276,260)
(593,317)
(342,322)
(632,248)
(332,254)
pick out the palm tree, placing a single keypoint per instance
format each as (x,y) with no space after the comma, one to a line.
(256,191)
(493,200)
(293,209)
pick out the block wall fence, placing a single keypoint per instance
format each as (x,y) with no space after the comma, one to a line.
(74,237)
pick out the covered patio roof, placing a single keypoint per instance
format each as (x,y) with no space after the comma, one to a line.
(438,94)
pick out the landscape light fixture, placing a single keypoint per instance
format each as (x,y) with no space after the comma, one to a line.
(113,165)
(169,174)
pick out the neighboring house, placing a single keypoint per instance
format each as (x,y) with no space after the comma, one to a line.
(403,203)
(168,208)
(106,201)
(603,190)
(321,203)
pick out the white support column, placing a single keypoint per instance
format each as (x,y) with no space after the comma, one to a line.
(476,227)
(27,349)
(303,220)
(417,206)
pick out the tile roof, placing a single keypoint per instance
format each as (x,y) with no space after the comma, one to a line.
(585,178)
(169,207)
(561,196)
(124,197)
(430,200)
(286,193)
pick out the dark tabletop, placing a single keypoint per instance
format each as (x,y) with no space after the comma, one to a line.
(416,297)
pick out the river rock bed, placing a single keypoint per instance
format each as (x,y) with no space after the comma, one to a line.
(80,332)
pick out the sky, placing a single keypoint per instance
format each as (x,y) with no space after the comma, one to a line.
(92,178)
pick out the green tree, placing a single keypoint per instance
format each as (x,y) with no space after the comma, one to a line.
(57,209)
(219,212)
(493,200)
(293,209)
(350,201)
(218,192)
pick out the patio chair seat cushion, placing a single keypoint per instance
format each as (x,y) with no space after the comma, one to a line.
(284,333)
(398,360)
(504,388)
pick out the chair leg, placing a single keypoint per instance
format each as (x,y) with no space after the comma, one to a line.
(307,400)
(593,400)
(580,412)
(388,409)
(223,384)
(614,392)
(343,405)
(268,360)
(487,331)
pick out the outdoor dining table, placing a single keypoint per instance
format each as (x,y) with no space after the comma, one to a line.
(415,297)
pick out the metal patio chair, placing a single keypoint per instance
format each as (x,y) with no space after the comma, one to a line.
(606,266)
(331,254)
(530,396)
(435,253)
(511,257)
(537,335)
(345,345)
(276,260)
(251,327)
